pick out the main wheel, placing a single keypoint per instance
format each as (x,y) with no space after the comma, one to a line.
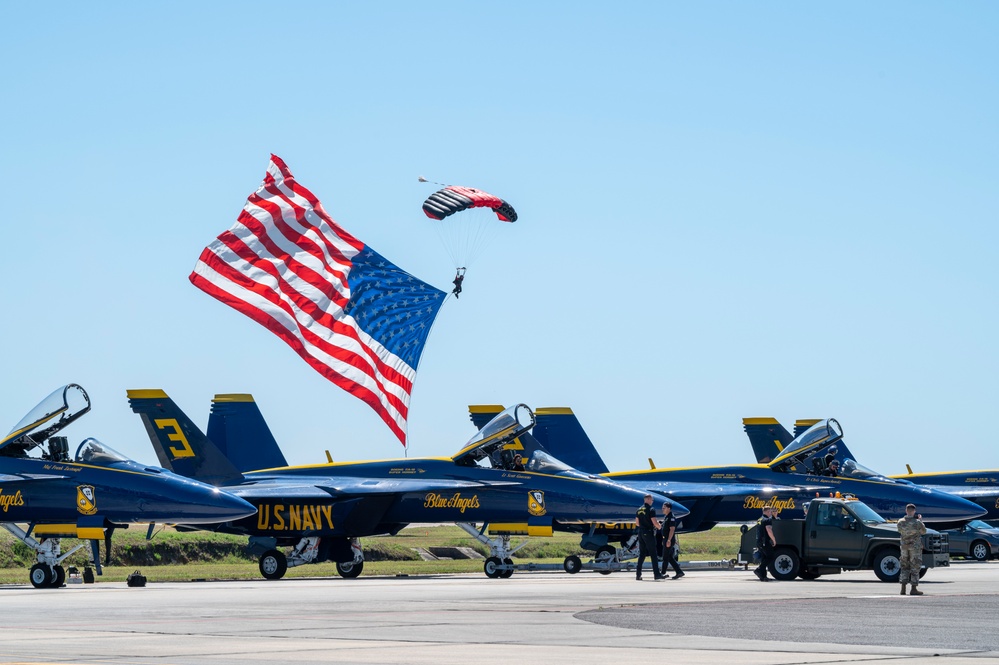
(888,564)
(506,574)
(980,550)
(273,564)
(605,554)
(572,564)
(492,567)
(59,577)
(41,575)
(785,564)
(350,569)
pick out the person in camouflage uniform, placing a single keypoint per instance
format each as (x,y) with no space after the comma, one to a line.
(910,532)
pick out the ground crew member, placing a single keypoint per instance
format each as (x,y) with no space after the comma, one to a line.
(765,543)
(669,539)
(645,520)
(910,532)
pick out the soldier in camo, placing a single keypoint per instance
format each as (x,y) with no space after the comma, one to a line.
(910,531)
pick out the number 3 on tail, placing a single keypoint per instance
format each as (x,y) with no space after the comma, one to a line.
(176,435)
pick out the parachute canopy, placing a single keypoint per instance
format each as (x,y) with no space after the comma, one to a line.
(445,202)
(465,235)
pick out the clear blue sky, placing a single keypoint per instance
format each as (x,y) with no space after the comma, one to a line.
(726,209)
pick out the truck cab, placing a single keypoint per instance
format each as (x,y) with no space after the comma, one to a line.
(840,533)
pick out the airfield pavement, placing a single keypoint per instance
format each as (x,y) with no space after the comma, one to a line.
(710,616)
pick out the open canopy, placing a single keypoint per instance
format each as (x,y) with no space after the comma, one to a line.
(52,414)
(814,439)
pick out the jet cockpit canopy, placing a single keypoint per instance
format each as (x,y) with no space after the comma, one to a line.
(810,442)
(52,414)
(852,469)
(497,434)
(93,452)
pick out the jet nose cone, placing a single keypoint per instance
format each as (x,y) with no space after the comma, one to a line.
(943,507)
(220,506)
(678,509)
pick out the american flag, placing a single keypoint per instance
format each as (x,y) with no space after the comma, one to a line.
(356,318)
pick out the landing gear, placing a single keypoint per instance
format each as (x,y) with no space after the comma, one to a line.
(273,564)
(41,576)
(47,573)
(350,569)
(499,565)
(492,568)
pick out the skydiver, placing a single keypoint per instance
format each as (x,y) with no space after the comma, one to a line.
(459,277)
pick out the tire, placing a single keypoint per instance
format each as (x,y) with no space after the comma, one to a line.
(273,564)
(349,570)
(492,567)
(41,575)
(922,572)
(744,528)
(785,564)
(888,564)
(59,577)
(572,564)
(507,574)
(980,550)
(805,575)
(606,553)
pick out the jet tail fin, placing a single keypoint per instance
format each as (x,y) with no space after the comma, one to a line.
(180,446)
(239,430)
(767,436)
(562,435)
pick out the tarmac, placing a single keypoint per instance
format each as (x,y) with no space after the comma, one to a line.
(709,616)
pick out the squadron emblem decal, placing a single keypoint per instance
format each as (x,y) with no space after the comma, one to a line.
(536,503)
(85,501)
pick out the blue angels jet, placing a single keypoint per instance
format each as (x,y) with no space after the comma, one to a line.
(91,495)
(980,486)
(321,510)
(737,493)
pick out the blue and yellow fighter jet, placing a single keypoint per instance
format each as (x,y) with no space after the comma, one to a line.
(736,494)
(91,495)
(321,510)
(980,486)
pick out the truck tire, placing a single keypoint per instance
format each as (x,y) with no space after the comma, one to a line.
(806,575)
(980,550)
(888,564)
(785,564)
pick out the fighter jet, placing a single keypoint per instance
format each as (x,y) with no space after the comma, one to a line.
(980,486)
(321,510)
(91,495)
(737,493)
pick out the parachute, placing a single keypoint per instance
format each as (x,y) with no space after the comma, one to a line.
(464,235)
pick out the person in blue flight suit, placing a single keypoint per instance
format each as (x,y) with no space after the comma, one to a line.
(645,520)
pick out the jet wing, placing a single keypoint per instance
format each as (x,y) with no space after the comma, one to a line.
(28,477)
(683,490)
(967,492)
(325,487)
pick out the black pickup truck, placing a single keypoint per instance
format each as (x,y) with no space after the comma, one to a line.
(840,534)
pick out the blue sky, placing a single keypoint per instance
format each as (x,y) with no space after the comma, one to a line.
(726,210)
